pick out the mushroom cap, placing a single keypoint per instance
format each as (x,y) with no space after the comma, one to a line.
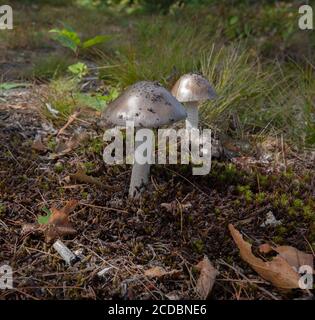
(192,87)
(146,103)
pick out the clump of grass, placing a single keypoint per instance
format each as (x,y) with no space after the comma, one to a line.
(259,98)
(159,51)
(238,80)
(62,98)
(50,67)
(58,101)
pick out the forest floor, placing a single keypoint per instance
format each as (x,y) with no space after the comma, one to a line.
(180,218)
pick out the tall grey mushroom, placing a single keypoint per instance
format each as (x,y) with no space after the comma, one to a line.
(192,89)
(148,105)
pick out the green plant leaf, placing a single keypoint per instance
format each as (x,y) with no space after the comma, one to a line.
(96,40)
(11,85)
(67,38)
(79,69)
(44,219)
(233,20)
(94,102)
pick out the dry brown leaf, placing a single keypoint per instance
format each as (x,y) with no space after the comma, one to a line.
(64,148)
(293,256)
(277,271)
(81,176)
(155,272)
(58,223)
(30,228)
(38,144)
(159,272)
(172,206)
(206,278)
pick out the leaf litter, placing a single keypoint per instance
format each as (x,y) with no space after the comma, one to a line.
(134,235)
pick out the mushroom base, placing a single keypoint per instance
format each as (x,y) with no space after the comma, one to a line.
(139,178)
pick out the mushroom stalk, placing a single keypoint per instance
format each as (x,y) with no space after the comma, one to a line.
(139,176)
(192,115)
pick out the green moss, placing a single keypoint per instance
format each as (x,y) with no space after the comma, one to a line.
(281,230)
(198,246)
(89,167)
(217,211)
(277,239)
(283,200)
(84,194)
(308,213)
(246,192)
(292,212)
(298,203)
(58,167)
(288,174)
(263,180)
(96,146)
(51,144)
(260,197)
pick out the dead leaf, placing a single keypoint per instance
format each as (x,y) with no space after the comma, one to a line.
(159,272)
(206,278)
(30,228)
(293,256)
(81,176)
(172,206)
(172,296)
(277,271)
(38,144)
(155,272)
(64,148)
(58,223)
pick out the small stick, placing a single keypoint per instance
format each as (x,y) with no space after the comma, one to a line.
(283,154)
(70,120)
(104,272)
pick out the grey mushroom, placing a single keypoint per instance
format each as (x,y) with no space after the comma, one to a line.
(192,89)
(148,105)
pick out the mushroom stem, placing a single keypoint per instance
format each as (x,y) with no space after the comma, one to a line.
(192,115)
(139,176)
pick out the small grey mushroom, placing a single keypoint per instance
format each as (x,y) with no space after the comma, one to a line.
(148,105)
(192,89)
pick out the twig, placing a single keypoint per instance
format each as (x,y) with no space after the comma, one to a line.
(221,261)
(70,120)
